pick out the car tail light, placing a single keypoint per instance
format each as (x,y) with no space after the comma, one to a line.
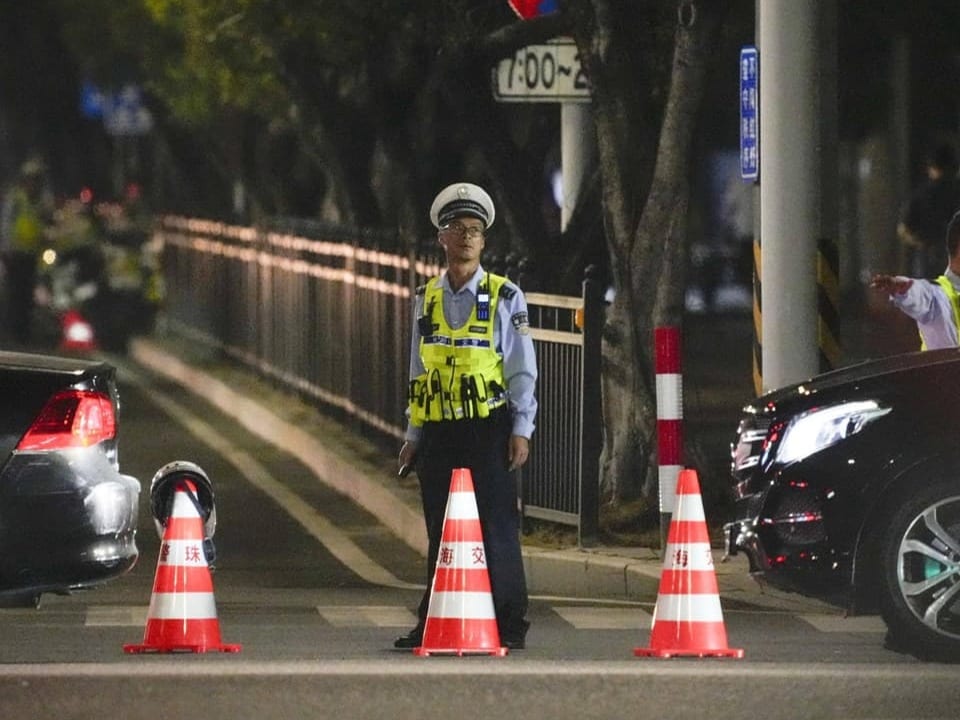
(71,418)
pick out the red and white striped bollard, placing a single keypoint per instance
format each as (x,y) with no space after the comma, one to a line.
(669,419)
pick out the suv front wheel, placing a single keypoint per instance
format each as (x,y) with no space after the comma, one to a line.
(920,560)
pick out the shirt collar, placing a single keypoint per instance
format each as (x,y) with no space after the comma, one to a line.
(953,278)
(474,281)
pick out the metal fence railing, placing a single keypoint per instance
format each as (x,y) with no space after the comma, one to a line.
(331,320)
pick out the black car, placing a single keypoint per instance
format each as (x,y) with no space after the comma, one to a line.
(847,488)
(68,516)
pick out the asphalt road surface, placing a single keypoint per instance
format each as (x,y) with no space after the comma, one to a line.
(314,591)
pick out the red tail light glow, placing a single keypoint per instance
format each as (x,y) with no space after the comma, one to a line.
(70,419)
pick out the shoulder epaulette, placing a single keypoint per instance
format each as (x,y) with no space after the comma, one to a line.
(507,291)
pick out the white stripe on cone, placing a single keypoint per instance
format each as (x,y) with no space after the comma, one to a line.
(462,605)
(688,556)
(689,508)
(462,556)
(183,507)
(687,608)
(182,553)
(182,605)
(462,506)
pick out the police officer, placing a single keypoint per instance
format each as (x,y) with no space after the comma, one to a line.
(933,304)
(472,404)
(27,214)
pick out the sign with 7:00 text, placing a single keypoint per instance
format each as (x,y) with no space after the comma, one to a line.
(542,73)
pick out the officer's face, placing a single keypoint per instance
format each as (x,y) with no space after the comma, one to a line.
(463,239)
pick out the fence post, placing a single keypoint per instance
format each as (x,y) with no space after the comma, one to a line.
(591,408)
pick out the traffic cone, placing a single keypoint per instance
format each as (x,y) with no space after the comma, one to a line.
(182,615)
(460,617)
(688,620)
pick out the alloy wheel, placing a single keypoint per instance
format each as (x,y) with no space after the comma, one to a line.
(928,567)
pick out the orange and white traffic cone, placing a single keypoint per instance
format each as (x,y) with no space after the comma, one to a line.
(688,619)
(183,614)
(460,617)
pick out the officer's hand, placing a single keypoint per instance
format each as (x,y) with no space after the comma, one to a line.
(518,452)
(405,460)
(891,284)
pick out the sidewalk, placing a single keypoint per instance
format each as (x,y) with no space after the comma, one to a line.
(354,467)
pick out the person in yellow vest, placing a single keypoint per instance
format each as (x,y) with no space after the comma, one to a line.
(472,401)
(933,304)
(27,213)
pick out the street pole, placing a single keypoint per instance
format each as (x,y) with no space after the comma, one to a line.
(576,153)
(789,185)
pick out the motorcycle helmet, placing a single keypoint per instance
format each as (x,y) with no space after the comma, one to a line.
(164,485)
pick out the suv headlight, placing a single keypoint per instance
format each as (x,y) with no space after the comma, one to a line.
(818,429)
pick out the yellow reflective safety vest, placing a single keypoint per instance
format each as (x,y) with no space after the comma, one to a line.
(954,299)
(464,371)
(27,230)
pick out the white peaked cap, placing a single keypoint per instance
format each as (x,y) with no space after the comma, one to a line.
(462,199)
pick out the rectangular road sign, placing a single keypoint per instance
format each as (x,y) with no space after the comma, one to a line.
(749,113)
(542,73)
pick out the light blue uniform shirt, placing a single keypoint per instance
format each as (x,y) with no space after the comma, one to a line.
(929,306)
(511,339)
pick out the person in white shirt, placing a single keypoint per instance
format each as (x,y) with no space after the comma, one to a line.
(933,304)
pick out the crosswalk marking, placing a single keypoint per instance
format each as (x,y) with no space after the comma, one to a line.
(366,615)
(115,616)
(597,618)
(395,616)
(838,623)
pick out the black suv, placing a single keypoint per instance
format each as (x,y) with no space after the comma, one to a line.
(847,488)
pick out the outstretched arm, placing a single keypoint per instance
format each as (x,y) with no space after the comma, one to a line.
(891,284)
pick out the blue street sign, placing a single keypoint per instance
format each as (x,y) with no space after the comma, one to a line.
(749,113)
(92,100)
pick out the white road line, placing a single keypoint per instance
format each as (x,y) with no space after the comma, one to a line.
(838,623)
(367,615)
(115,616)
(397,616)
(511,665)
(592,618)
(325,532)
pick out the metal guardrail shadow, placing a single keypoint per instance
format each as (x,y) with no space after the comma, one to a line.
(331,321)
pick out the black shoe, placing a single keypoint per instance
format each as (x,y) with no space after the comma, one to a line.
(513,642)
(514,637)
(412,639)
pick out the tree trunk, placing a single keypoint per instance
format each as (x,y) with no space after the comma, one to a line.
(644,162)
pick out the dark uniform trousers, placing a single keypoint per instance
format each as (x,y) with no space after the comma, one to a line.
(480,445)
(21,275)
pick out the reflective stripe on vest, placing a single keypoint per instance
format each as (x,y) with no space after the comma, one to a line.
(954,299)
(464,371)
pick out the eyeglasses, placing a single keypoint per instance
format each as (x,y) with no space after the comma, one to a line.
(472,232)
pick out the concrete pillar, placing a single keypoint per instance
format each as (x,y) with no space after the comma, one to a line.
(789,184)
(576,151)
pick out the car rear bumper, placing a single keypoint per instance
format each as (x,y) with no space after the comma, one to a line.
(66,521)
